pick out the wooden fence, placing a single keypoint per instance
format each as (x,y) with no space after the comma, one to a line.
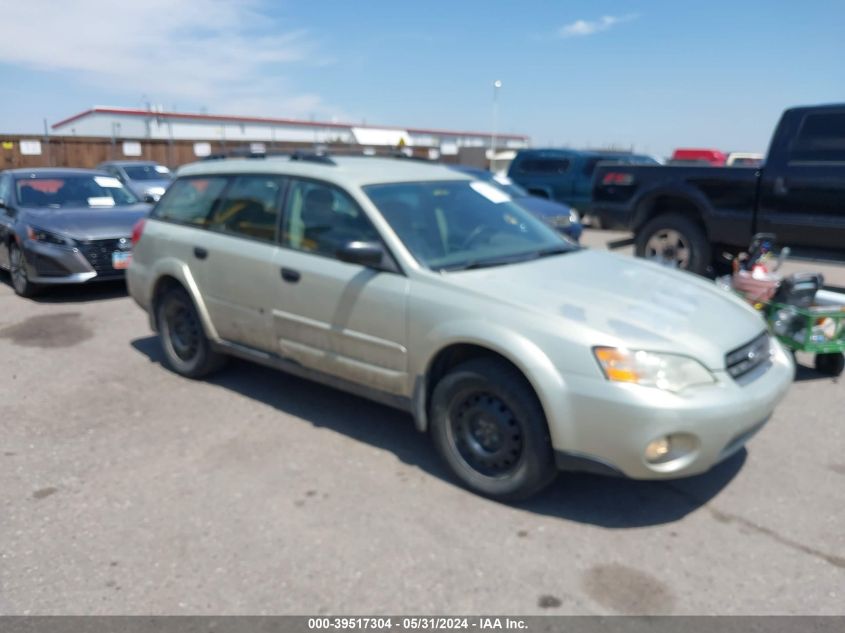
(17,150)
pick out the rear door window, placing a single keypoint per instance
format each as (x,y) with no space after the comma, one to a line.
(190,200)
(250,207)
(820,139)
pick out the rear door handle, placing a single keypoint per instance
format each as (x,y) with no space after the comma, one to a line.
(780,187)
(290,275)
(200,253)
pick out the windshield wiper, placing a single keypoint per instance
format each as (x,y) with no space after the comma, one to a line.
(512,259)
(555,250)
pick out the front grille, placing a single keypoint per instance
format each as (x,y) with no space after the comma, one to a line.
(99,254)
(748,357)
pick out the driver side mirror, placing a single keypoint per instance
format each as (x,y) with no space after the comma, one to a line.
(369,254)
(150,198)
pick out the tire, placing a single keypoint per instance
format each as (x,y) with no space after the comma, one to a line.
(187,350)
(489,428)
(675,241)
(830,364)
(21,284)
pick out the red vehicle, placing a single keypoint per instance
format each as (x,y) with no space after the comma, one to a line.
(688,156)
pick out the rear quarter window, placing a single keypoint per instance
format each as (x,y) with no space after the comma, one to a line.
(190,200)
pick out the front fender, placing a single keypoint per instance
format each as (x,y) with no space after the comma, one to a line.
(547,381)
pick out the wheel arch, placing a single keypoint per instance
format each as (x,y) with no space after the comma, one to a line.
(524,356)
(659,202)
(170,274)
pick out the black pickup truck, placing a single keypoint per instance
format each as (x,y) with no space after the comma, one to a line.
(689,216)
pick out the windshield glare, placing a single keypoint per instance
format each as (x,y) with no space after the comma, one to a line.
(463,224)
(54,192)
(147,172)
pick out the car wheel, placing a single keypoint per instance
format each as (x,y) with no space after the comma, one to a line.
(674,241)
(830,364)
(17,271)
(187,350)
(489,427)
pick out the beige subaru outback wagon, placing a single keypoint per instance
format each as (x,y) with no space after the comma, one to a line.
(520,353)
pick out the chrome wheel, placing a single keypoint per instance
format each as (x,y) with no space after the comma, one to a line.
(668,247)
(17,270)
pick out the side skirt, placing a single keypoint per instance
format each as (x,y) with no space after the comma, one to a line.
(291,367)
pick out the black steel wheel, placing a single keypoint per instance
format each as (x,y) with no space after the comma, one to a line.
(487,434)
(489,427)
(187,350)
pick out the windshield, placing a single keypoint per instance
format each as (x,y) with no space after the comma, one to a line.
(147,172)
(463,224)
(55,192)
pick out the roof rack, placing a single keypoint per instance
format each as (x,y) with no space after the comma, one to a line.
(242,152)
(312,157)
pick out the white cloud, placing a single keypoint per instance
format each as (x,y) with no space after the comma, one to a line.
(581,28)
(215,53)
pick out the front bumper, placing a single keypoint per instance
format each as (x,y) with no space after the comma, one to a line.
(615,422)
(52,264)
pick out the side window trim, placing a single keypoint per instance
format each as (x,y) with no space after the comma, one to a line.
(286,210)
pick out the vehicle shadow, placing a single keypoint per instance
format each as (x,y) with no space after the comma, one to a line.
(604,501)
(75,293)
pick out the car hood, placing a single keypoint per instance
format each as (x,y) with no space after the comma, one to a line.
(542,207)
(625,302)
(87,223)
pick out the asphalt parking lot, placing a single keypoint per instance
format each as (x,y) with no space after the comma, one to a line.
(125,489)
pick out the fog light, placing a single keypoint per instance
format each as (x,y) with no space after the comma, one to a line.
(658,449)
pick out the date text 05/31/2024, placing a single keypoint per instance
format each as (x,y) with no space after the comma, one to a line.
(416,623)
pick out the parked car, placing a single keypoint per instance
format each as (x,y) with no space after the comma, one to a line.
(565,175)
(690,156)
(428,290)
(147,179)
(744,159)
(687,216)
(65,226)
(560,216)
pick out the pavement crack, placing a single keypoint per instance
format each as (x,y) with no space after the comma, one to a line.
(727,518)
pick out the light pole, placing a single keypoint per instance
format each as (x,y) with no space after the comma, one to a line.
(496,85)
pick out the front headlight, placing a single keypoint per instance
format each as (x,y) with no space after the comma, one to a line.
(669,372)
(574,218)
(40,235)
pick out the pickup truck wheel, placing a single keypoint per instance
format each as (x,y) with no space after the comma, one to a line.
(674,241)
(187,350)
(490,429)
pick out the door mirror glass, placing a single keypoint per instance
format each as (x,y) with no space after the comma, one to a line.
(369,254)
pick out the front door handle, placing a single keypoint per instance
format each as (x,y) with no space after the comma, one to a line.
(200,253)
(290,275)
(780,187)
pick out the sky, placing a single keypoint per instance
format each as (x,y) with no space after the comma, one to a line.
(647,74)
